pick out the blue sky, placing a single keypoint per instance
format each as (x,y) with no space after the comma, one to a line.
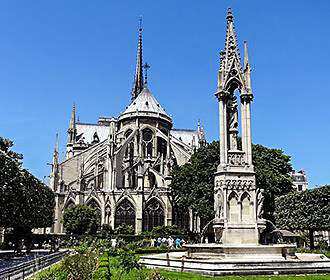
(55,53)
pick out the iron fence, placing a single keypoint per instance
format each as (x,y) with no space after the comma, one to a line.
(24,270)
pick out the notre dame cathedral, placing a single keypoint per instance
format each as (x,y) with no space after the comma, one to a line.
(122,166)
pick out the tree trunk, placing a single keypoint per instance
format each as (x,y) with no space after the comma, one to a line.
(311,239)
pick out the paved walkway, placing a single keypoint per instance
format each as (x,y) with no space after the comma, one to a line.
(7,260)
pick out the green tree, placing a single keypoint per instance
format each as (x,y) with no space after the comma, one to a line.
(272,169)
(192,184)
(307,210)
(80,219)
(25,202)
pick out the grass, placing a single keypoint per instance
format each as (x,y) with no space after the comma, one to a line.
(171,275)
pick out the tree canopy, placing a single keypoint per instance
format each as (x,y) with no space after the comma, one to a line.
(25,202)
(306,210)
(192,183)
(80,219)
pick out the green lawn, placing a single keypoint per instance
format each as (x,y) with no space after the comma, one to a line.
(191,276)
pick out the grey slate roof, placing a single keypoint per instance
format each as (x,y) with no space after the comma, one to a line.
(85,132)
(185,135)
(145,102)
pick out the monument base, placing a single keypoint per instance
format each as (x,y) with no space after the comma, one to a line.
(250,252)
(215,259)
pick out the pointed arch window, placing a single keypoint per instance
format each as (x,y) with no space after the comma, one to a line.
(125,214)
(147,145)
(129,153)
(153,215)
(161,146)
(107,214)
(181,217)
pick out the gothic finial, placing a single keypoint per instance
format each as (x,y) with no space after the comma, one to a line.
(229,15)
(246,55)
(247,68)
(55,158)
(138,82)
(56,144)
(146,66)
(73,117)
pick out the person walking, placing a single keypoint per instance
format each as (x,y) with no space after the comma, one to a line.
(170,242)
(177,242)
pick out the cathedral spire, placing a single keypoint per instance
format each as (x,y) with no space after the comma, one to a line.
(55,157)
(72,133)
(54,167)
(138,79)
(56,145)
(73,118)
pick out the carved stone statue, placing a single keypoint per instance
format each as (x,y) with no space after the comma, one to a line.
(232,113)
(260,201)
(218,205)
(232,122)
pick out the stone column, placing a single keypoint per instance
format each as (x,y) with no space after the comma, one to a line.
(168,211)
(243,127)
(2,235)
(139,213)
(222,127)
(113,212)
(58,216)
(248,132)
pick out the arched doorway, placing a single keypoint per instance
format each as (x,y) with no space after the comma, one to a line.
(153,215)
(125,214)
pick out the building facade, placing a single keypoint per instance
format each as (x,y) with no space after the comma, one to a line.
(121,166)
(300,182)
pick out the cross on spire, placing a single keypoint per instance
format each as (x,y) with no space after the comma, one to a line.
(146,66)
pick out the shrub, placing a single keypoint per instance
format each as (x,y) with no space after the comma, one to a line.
(103,270)
(55,272)
(127,261)
(80,219)
(106,231)
(124,229)
(82,265)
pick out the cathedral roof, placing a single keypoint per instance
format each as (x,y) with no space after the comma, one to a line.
(86,132)
(145,104)
(185,135)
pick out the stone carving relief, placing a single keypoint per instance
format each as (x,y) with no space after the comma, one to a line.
(236,159)
(240,184)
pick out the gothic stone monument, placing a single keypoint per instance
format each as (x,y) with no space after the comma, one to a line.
(238,202)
